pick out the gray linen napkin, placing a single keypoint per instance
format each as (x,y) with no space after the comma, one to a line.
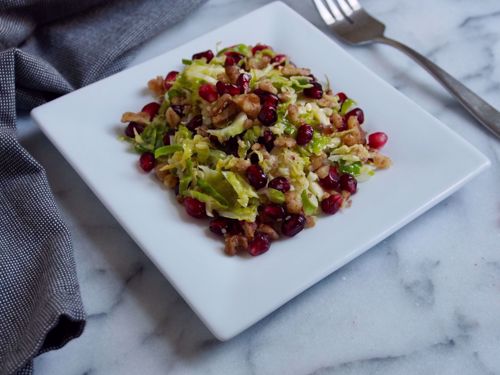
(47,49)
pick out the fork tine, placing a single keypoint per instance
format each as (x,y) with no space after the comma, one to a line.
(323,12)
(346,9)
(354,4)
(335,11)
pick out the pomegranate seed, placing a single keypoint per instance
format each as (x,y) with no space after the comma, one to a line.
(270,213)
(278,59)
(129,130)
(267,98)
(195,122)
(342,97)
(304,134)
(358,112)
(227,88)
(268,115)
(231,146)
(147,161)
(293,224)
(256,176)
(166,139)
(331,204)
(331,181)
(254,158)
(234,57)
(243,82)
(314,92)
(208,92)
(260,244)
(259,47)
(222,226)
(267,140)
(179,109)
(280,183)
(151,109)
(377,140)
(208,55)
(348,183)
(229,61)
(313,78)
(170,79)
(195,208)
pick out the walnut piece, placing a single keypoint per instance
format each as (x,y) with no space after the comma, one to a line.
(269,230)
(293,114)
(293,202)
(155,85)
(249,229)
(235,243)
(140,118)
(381,161)
(291,70)
(248,103)
(285,142)
(172,118)
(267,85)
(232,72)
(223,110)
(310,221)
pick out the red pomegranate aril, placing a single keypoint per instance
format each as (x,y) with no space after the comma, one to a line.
(260,244)
(267,139)
(280,183)
(377,140)
(195,208)
(342,97)
(331,204)
(293,224)
(227,88)
(331,181)
(358,112)
(208,55)
(314,92)
(179,109)
(267,98)
(256,176)
(254,158)
(170,79)
(259,47)
(147,161)
(348,183)
(267,115)
(234,56)
(243,82)
(195,122)
(279,59)
(208,92)
(222,226)
(129,130)
(270,213)
(151,109)
(304,134)
(229,61)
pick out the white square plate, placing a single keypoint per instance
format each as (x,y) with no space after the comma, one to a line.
(231,293)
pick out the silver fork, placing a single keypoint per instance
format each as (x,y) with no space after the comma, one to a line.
(352,24)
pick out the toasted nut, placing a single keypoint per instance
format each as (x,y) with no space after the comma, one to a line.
(248,103)
(284,97)
(155,85)
(249,229)
(291,70)
(327,101)
(172,117)
(293,202)
(267,85)
(259,63)
(323,171)
(232,72)
(241,165)
(381,161)
(317,161)
(293,114)
(235,243)
(140,118)
(310,221)
(337,121)
(267,229)
(285,142)
(170,181)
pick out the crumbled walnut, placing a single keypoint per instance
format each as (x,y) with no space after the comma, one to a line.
(160,174)
(232,72)
(202,130)
(285,142)
(248,229)
(259,63)
(248,123)
(140,118)
(293,114)
(310,221)
(327,101)
(337,121)
(170,181)
(235,243)
(326,129)
(241,165)
(357,135)
(267,85)
(291,70)
(293,202)
(360,151)
(284,97)
(223,78)
(381,161)
(155,85)
(317,161)
(172,118)
(323,171)
(223,110)
(181,100)
(248,103)
(267,229)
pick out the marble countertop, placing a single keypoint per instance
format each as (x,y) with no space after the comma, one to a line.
(426,300)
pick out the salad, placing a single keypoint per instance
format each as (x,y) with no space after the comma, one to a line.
(254,143)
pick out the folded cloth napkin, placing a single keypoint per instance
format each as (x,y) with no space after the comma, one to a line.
(47,49)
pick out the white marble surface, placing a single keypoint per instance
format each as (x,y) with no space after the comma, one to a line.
(425,301)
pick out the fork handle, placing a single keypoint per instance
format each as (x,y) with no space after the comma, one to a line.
(480,109)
